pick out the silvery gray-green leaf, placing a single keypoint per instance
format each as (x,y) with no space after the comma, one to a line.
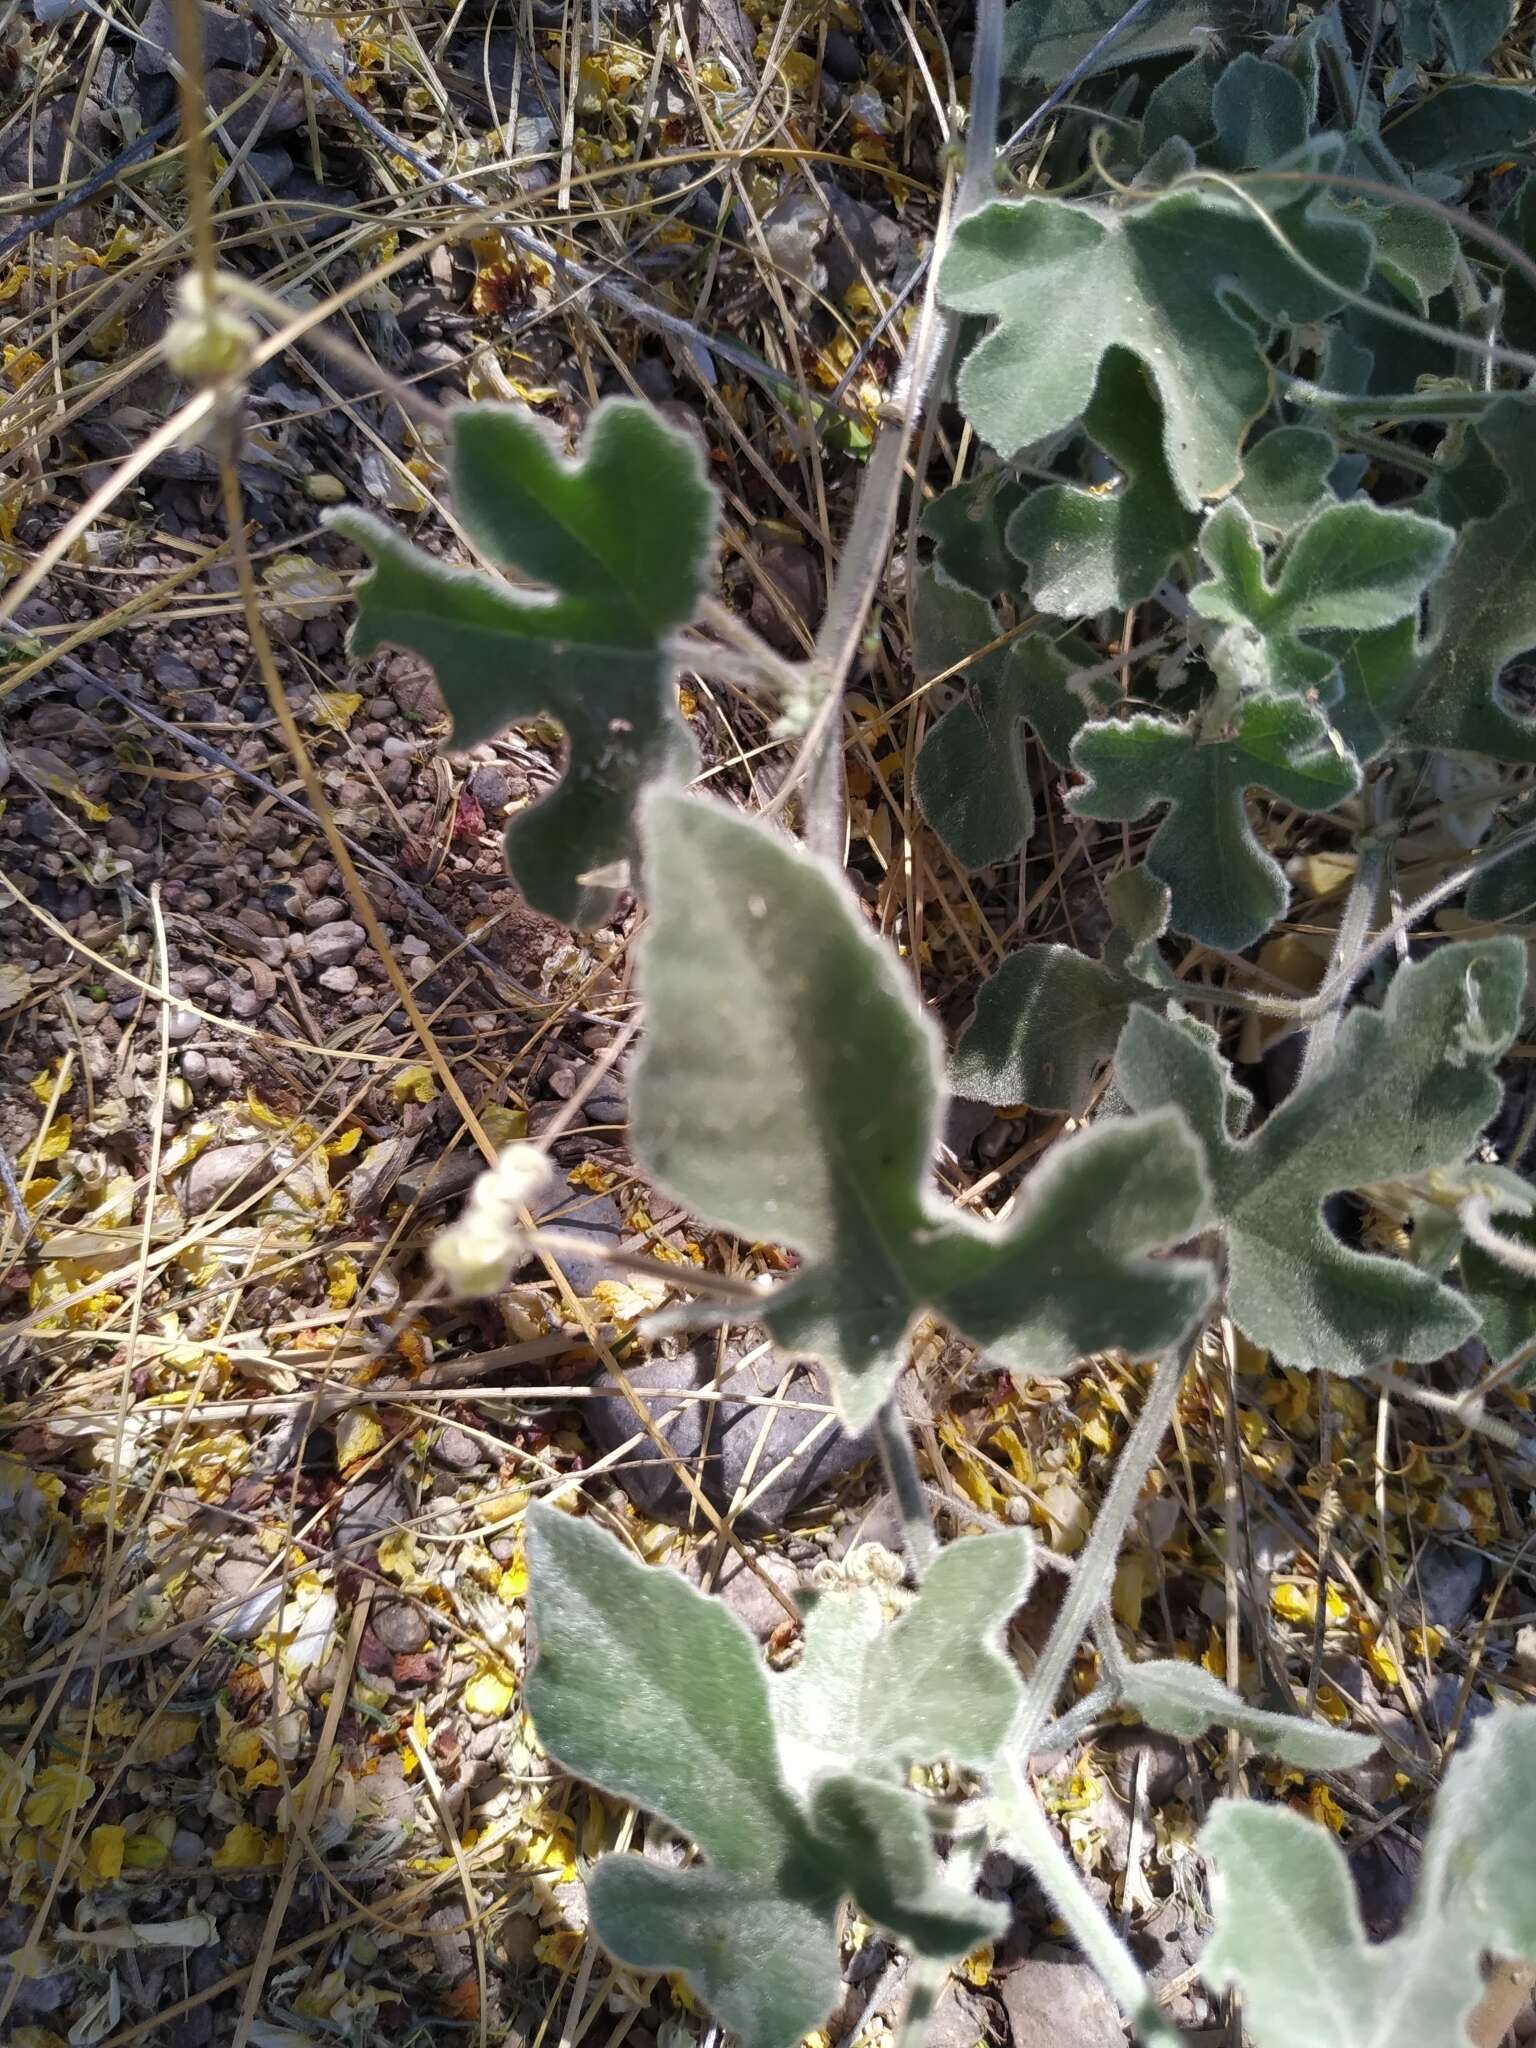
(1064,281)
(1288,1931)
(1045,39)
(1050,1018)
(972,772)
(1285,478)
(1350,568)
(1226,890)
(935,1685)
(1260,112)
(1403,1090)
(1186,1700)
(622,540)
(1089,548)
(658,1694)
(966,524)
(1469,29)
(1463,127)
(784,1130)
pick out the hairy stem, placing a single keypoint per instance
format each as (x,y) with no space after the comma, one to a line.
(906,1483)
(1096,1566)
(1029,1836)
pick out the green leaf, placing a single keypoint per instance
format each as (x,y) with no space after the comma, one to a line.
(1517,224)
(1285,478)
(783,1129)
(935,1686)
(1482,613)
(1350,568)
(1507,890)
(765,1964)
(972,771)
(882,1833)
(1402,1091)
(1463,128)
(657,1694)
(1183,106)
(1185,1700)
(1505,1299)
(1227,891)
(1415,251)
(937,1683)
(965,524)
(1089,549)
(1045,39)
(1050,1018)
(1470,29)
(1261,114)
(1064,282)
(623,539)
(649,1688)
(1288,1929)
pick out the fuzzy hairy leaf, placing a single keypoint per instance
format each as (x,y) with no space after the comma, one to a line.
(1505,1299)
(1463,127)
(1350,568)
(1185,1700)
(933,1686)
(1288,1929)
(966,525)
(1470,29)
(1064,282)
(1285,478)
(1482,613)
(1045,39)
(1261,113)
(622,540)
(782,1128)
(1089,549)
(1050,1018)
(1226,890)
(972,771)
(1508,888)
(1404,1090)
(658,1694)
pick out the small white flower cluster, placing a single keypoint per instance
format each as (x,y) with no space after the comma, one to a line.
(476,1255)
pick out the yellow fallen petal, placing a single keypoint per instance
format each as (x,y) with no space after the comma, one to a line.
(359,1433)
(245,1847)
(489,1693)
(104,1853)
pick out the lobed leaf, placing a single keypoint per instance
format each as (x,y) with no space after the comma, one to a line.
(1288,1930)
(966,525)
(1464,127)
(657,1693)
(1350,568)
(1403,1091)
(786,1129)
(622,538)
(1065,282)
(1470,29)
(1285,478)
(1045,39)
(972,772)
(1050,1018)
(1186,1700)
(1226,890)
(1088,549)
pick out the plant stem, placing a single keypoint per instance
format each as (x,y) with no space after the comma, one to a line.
(906,1483)
(1095,1568)
(1353,925)
(1029,1836)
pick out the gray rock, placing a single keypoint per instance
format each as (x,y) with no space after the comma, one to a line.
(456,1450)
(963,2019)
(369,1509)
(332,945)
(1448,1582)
(227,39)
(341,981)
(1055,2001)
(322,911)
(596,1217)
(224,1174)
(717,1439)
(400,1626)
(745,1594)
